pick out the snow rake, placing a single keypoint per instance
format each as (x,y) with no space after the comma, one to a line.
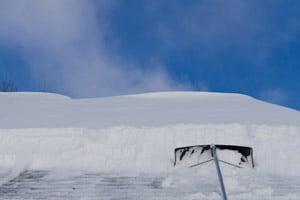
(236,156)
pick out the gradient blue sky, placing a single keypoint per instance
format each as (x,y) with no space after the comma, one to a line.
(101,48)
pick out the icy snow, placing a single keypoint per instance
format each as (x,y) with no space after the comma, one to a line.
(137,134)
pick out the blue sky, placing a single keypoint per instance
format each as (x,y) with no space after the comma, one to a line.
(101,48)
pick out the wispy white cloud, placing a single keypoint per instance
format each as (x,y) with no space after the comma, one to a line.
(64,44)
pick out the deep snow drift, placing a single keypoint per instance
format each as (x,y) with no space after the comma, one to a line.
(138,133)
(37,110)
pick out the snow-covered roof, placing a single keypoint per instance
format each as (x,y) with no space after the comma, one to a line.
(44,110)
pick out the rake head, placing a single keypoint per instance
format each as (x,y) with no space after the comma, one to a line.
(237,156)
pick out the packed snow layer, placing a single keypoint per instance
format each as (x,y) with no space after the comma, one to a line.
(40,110)
(144,149)
(138,133)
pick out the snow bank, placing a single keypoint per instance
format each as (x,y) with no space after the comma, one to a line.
(147,149)
(37,110)
(138,133)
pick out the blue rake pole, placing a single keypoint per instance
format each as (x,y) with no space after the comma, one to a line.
(215,157)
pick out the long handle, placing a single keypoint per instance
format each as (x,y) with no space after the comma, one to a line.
(214,155)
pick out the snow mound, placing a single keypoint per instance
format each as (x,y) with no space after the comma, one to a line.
(37,110)
(138,133)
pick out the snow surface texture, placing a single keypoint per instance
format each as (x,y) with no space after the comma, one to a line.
(38,110)
(138,134)
(126,149)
